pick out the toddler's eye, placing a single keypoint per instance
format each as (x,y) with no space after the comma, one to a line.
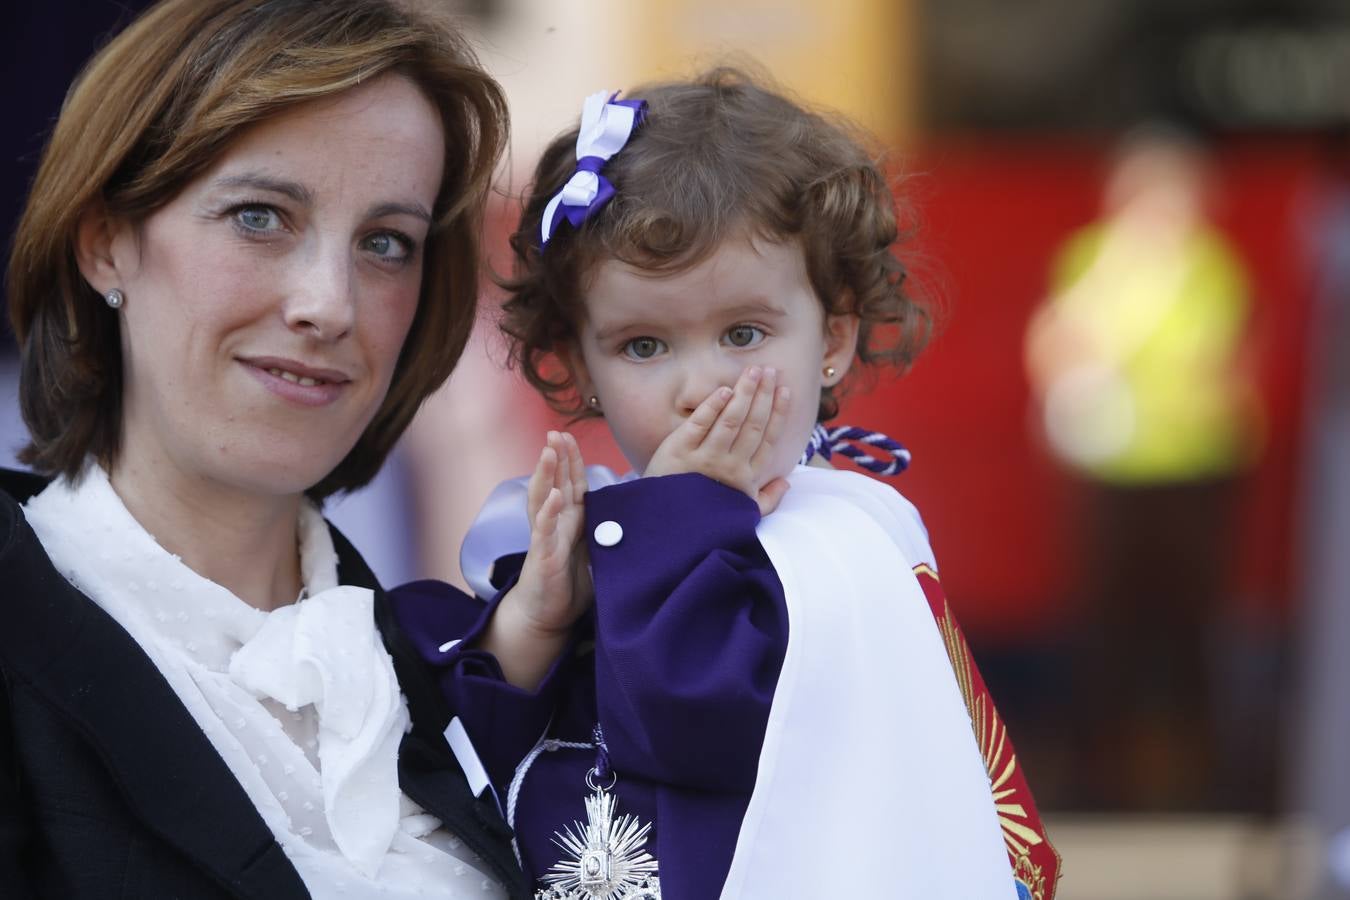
(744,335)
(643,348)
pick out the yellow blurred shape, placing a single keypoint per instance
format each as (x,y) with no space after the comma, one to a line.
(855,56)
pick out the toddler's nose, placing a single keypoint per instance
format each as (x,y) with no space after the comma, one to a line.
(699,383)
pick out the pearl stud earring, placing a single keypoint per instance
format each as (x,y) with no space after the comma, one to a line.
(829,371)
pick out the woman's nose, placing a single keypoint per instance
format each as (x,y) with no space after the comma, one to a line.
(322,299)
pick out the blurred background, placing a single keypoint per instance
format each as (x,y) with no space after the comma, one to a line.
(1131,436)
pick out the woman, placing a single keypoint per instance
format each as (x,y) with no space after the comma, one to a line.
(249,253)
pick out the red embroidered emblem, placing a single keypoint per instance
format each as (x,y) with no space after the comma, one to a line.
(1035,861)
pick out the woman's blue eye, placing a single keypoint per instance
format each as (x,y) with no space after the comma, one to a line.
(257,218)
(744,335)
(388,245)
(642,348)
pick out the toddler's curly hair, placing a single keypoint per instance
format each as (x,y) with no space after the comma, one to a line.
(718,157)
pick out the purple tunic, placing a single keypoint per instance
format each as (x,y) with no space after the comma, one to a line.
(678,663)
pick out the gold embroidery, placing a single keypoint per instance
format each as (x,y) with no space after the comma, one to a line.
(992,737)
(926,569)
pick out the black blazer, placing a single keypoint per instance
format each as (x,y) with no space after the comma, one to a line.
(108,788)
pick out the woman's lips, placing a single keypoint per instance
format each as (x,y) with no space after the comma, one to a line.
(296,382)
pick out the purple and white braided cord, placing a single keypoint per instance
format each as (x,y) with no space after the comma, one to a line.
(841,439)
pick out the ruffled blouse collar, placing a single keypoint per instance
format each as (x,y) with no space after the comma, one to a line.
(206,621)
(301,702)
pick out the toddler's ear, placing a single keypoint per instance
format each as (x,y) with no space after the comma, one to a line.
(841,345)
(569,354)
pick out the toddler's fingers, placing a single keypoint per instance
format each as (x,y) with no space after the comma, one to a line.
(771,495)
(694,430)
(578,468)
(543,534)
(773,429)
(547,517)
(751,436)
(543,530)
(562,474)
(728,426)
(541,479)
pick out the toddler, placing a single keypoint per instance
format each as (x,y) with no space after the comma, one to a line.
(732,673)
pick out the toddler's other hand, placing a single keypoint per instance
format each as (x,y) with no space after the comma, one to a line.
(557,515)
(532,623)
(731,438)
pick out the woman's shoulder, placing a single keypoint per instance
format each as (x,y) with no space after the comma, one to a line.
(26,571)
(16,486)
(20,550)
(43,618)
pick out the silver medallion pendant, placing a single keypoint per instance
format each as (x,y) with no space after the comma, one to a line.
(605,859)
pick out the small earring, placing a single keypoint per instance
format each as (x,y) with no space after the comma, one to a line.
(593,402)
(829,371)
(114,298)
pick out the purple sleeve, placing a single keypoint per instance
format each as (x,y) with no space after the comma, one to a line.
(503,721)
(691,629)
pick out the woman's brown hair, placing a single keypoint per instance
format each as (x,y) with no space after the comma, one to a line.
(717,157)
(152,111)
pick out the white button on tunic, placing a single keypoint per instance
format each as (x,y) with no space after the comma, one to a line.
(608,533)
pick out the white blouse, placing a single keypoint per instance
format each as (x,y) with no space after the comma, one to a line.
(301,703)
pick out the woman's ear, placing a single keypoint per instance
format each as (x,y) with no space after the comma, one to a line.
(96,245)
(841,345)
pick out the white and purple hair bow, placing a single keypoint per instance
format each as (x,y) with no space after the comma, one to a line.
(606,125)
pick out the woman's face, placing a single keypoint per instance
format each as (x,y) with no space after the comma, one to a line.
(266,305)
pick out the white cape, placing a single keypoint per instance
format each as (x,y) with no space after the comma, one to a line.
(870,780)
